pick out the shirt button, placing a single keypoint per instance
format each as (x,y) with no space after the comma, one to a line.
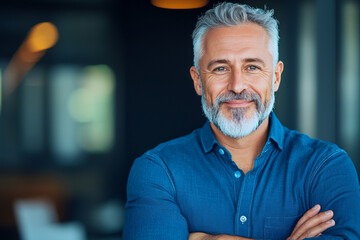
(237,174)
(243,219)
(221,151)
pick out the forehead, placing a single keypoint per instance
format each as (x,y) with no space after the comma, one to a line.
(247,38)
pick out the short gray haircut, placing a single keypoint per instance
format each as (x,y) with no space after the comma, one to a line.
(230,15)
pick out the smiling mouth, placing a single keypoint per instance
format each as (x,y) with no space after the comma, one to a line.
(238,103)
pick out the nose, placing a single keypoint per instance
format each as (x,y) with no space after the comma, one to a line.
(237,82)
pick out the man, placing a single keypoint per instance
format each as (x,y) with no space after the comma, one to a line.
(243,175)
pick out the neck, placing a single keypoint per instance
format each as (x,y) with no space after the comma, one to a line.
(244,150)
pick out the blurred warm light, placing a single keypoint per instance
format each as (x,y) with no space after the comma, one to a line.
(42,36)
(179,4)
(27,56)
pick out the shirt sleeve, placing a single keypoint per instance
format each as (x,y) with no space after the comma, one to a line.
(151,208)
(335,186)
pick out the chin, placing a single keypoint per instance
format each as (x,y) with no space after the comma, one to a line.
(237,127)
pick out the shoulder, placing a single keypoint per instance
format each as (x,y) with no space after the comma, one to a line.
(297,145)
(161,163)
(314,155)
(191,140)
(174,150)
(317,161)
(303,144)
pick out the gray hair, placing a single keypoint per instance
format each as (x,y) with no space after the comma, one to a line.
(230,15)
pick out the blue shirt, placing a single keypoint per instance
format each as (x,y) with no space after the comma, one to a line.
(191,184)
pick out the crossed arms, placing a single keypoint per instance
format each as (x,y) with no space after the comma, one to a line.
(312,224)
(153,212)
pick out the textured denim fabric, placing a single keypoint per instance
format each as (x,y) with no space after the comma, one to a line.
(191,184)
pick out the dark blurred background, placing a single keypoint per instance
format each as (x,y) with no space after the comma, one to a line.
(117,83)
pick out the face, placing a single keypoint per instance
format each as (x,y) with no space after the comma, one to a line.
(237,78)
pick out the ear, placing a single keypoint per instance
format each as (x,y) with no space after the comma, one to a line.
(196,78)
(278,71)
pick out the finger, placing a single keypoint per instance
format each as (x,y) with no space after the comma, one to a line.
(197,236)
(312,222)
(316,231)
(309,214)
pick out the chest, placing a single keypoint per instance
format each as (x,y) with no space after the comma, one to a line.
(260,204)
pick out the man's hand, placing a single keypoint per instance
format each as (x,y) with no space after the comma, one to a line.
(204,236)
(312,224)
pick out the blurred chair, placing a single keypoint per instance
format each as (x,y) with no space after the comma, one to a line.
(19,187)
(37,220)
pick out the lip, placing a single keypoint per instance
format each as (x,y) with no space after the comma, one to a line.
(238,103)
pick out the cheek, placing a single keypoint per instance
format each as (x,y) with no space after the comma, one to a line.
(210,95)
(264,82)
(212,89)
(263,89)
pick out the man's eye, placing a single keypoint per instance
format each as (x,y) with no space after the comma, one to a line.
(252,68)
(220,69)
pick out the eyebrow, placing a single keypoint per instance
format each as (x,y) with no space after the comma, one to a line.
(246,60)
(217,61)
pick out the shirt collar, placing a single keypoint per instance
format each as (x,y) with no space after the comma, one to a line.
(207,137)
(276,134)
(277,131)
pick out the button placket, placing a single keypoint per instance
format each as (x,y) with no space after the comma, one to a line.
(243,216)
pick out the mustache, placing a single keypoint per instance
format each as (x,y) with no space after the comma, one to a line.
(244,95)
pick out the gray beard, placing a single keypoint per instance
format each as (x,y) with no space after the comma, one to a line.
(238,125)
